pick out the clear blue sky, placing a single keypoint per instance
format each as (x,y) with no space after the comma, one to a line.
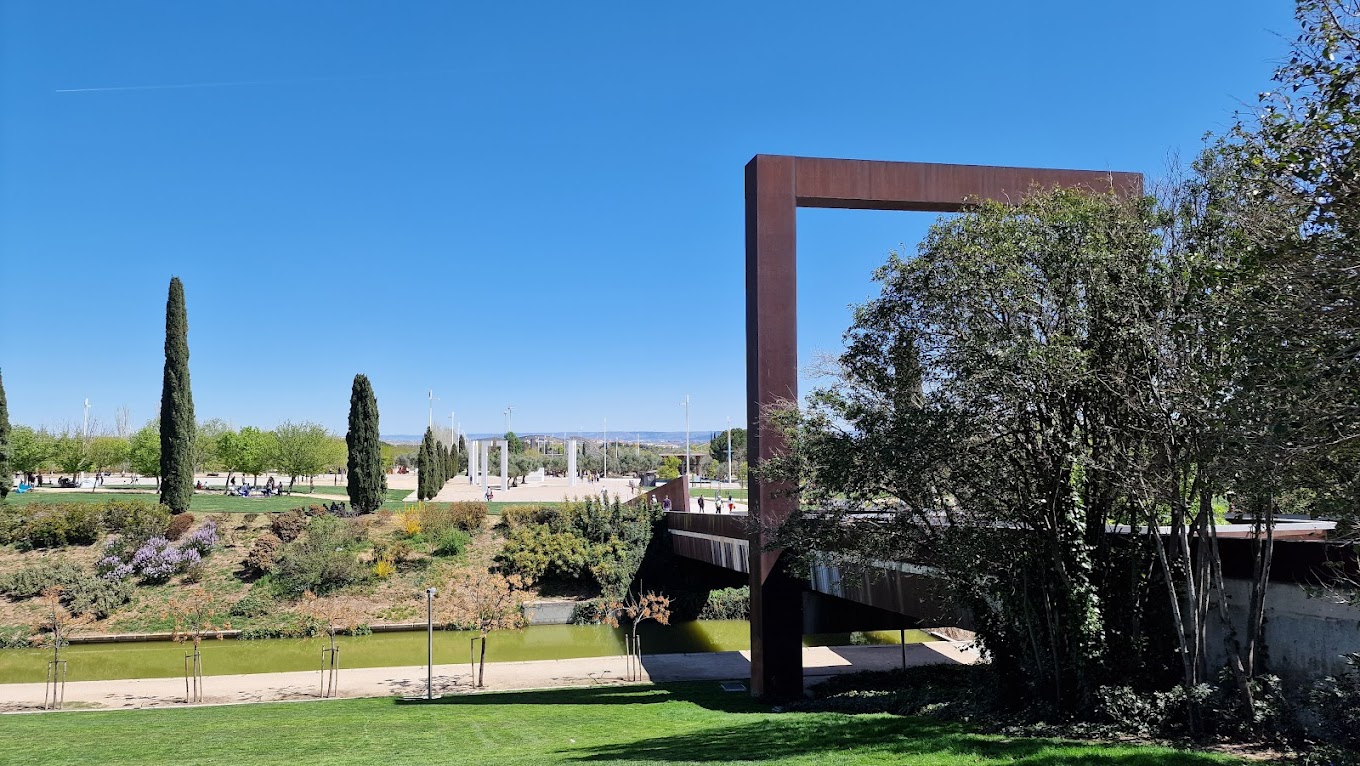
(537,204)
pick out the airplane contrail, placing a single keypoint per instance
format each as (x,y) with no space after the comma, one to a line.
(233,84)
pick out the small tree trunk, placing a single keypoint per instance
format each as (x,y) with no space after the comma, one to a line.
(481,665)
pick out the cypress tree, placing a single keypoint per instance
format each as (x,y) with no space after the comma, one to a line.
(425,466)
(177,407)
(439,466)
(367,483)
(6,451)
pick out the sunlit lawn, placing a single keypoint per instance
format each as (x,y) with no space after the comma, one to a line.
(678,723)
(210,502)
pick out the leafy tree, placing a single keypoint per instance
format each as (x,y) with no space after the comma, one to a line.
(6,447)
(367,481)
(302,449)
(206,440)
(108,452)
(516,445)
(71,450)
(177,407)
(670,468)
(30,449)
(717,447)
(144,450)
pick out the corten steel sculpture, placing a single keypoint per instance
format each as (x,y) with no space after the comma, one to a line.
(776,187)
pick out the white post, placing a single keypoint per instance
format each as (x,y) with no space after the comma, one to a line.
(453,432)
(571,461)
(605,473)
(505,464)
(729,449)
(486,462)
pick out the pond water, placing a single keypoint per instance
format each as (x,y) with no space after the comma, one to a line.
(96,662)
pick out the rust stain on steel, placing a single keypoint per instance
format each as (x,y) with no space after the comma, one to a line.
(776,186)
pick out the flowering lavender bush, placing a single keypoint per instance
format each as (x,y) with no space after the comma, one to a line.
(156,560)
(201,541)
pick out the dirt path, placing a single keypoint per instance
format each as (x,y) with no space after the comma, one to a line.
(818,662)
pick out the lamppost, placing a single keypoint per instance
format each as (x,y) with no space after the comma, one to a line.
(431,394)
(605,473)
(453,431)
(429,643)
(685,404)
(509,417)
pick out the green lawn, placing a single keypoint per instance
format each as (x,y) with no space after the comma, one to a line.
(677,723)
(204,503)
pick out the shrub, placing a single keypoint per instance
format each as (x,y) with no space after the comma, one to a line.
(727,604)
(538,553)
(15,636)
(515,516)
(316,510)
(255,603)
(203,539)
(135,520)
(410,523)
(83,593)
(178,526)
(322,561)
(395,551)
(450,542)
(288,526)
(33,580)
(55,526)
(156,561)
(1336,704)
(384,568)
(468,516)
(95,596)
(263,555)
(589,612)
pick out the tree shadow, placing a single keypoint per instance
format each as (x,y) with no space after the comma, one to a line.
(801,735)
(707,695)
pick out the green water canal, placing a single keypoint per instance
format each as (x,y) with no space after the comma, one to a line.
(161,659)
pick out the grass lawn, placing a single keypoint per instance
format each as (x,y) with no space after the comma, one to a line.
(677,723)
(203,503)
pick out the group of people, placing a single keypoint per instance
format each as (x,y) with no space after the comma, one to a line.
(270,488)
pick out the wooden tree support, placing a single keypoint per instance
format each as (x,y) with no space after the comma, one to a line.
(193,677)
(330,671)
(54,692)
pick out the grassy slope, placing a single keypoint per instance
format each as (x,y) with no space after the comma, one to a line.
(679,723)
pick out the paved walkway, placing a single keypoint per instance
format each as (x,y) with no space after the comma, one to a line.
(818,662)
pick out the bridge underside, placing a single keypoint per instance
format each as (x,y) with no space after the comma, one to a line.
(897,595)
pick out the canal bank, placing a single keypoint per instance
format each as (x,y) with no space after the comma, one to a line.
(818,662)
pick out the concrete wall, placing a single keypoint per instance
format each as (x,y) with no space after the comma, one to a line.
(1305,636)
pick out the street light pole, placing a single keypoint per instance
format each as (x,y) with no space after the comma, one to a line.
(685,404)
(429,643)
(453,431)
(509,417)
(605,474)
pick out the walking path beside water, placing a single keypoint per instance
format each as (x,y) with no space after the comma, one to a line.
(818,662)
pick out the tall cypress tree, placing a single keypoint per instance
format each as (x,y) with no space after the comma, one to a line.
(6,451)
(425,466)
(177,407)
(439,465)
(367,483)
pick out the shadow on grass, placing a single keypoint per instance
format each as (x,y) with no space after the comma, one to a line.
(702,694)
(811,734)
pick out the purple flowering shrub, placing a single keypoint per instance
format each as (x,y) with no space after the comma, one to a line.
(156,560)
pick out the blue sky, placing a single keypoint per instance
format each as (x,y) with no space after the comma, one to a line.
(536,204)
